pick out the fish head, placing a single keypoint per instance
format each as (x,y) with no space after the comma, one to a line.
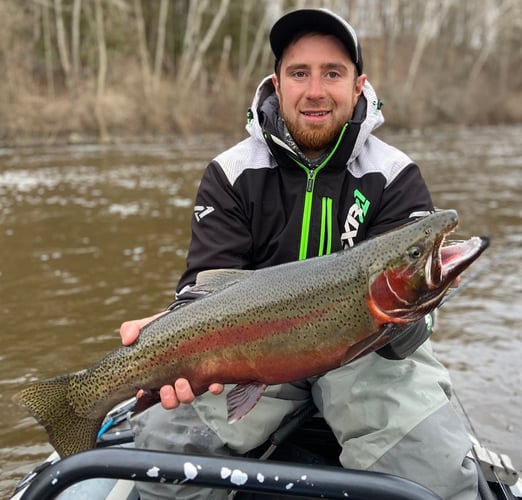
(417,266)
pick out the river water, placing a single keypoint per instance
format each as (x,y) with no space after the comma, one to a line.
(93,235)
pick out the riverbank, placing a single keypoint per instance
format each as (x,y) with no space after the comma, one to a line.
(29,117)
(75,71)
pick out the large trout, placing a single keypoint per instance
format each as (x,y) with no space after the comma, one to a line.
(269,326)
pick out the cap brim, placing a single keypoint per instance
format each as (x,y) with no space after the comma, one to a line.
(310,20)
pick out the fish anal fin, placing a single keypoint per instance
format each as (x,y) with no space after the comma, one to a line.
(242,398)
(371,343)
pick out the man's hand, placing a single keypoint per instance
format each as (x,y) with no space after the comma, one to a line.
(171,395)
(129,330)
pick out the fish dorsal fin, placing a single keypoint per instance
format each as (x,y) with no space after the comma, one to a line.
(217,279)
(242,398)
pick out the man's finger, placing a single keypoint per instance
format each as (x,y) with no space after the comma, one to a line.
(184,391)
(168,397)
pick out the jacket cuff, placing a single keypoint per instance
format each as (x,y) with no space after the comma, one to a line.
(409,340)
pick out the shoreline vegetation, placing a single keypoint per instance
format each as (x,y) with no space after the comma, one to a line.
(78,71)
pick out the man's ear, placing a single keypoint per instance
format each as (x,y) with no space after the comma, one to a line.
(361,80)
(275,82)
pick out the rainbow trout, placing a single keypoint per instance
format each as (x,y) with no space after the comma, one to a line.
(269,326)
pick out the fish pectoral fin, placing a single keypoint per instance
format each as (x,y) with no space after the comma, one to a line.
(242,398)
(218,279)
(370,344)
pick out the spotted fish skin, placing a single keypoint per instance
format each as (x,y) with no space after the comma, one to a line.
(269,326)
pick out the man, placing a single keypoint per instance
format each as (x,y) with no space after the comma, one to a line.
(309,180)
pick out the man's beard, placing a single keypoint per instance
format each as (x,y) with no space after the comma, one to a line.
(313,138)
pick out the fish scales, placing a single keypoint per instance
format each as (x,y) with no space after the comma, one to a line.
(273,325)
(228,327)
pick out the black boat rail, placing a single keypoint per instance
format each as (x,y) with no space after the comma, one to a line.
(242,474)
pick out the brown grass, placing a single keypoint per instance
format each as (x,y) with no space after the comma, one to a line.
(29,113)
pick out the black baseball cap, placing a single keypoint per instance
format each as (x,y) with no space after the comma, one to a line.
(314,20)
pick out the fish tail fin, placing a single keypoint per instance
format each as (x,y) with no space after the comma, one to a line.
(49,403)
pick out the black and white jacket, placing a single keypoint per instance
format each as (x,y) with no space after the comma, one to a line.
(260,203)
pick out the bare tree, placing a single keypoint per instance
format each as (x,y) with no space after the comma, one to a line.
(509,49)
(75,40)
(390,23)
(61,41)
(102,72)
(190,71)
(190,38)
(492,14)
(160,43)
(142,49)
(225,56)
(246,9)
(434,14)
(48,48)
(257,47)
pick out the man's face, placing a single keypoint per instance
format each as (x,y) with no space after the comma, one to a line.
(317,90)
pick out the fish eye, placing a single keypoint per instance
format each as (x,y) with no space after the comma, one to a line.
(415,252)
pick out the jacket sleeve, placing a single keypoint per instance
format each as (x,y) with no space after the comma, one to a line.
(406,197)
(409,340)
(221,235)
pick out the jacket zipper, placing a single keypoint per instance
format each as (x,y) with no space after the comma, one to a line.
(307,210)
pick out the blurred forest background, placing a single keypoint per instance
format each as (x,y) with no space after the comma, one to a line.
(78,70)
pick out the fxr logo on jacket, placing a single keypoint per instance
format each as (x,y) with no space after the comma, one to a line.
(356,214)
(201,211)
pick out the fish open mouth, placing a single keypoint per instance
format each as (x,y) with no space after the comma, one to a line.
(455,256)
(449,258)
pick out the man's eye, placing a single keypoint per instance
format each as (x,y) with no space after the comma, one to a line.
(332,74)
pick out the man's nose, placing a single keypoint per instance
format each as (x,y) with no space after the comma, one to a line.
(315,89)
